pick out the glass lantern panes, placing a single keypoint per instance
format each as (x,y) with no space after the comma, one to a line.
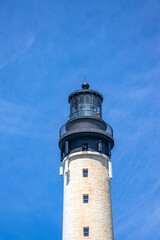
(86,105)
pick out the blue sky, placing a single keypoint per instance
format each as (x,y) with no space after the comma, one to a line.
(44,46)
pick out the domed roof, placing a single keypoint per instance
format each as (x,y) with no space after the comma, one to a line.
(85,89)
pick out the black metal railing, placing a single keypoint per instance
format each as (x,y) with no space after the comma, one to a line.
(63,130)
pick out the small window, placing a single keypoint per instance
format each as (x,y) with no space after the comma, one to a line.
(85,172)
(85,198)
(85,147)
(86,231)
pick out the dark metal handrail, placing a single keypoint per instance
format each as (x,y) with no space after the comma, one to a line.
(63,130)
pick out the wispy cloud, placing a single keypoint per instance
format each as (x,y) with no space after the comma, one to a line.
(135,117)
(3,64)
(20,120)
(13,118)
(30,40)
(20,50)
(144,213)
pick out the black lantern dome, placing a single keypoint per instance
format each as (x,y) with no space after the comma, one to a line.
(86,130)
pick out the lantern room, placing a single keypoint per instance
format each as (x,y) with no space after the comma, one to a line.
(85,102)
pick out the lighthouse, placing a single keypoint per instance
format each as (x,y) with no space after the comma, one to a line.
(85,143)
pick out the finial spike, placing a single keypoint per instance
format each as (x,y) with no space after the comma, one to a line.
(85,85)
(85,73)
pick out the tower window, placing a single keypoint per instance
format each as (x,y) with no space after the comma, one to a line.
(85,147)
(85,172)
(85,198)
(86,231)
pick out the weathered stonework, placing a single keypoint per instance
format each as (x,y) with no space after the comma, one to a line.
(97,213)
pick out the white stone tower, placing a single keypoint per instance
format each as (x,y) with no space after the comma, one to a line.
(86,142)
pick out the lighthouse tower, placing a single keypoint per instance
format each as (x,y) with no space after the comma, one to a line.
(86,141)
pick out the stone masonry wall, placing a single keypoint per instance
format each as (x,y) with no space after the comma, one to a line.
(97,214)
